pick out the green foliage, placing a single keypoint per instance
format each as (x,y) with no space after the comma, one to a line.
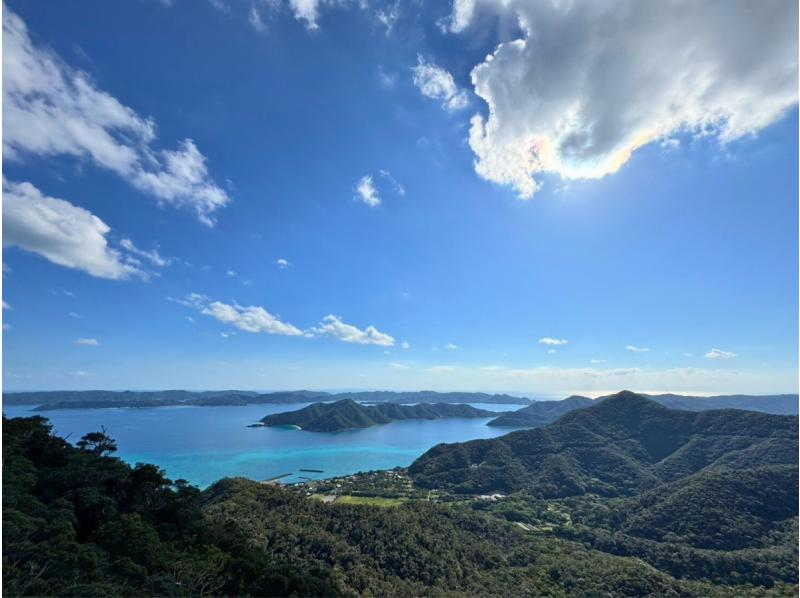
(78,521)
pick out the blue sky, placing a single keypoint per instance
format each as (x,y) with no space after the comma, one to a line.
(349,212)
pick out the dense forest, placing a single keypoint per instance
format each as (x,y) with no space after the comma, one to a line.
(79,521)
(348,415)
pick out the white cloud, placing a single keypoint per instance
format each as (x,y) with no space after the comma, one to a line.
(282,263)
(231,273)
(367,190)
(92,342)
(333,326)
(405,346)
(588,83)
(436,83)
(63,233)
(6,305)
(152,255)
(635,349)
(596,361)
(720,354)
(451,347)
(51,109)
(250,319)
(552,341)
(551,351)
(399,366)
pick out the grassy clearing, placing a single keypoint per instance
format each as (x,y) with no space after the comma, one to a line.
(377,501)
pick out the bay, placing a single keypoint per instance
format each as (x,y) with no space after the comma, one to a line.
(204,444)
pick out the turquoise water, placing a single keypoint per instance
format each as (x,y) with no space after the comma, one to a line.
(203,444)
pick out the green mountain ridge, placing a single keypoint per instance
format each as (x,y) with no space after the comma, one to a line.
(622,445)
(540,413)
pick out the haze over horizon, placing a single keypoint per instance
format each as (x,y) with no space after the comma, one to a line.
(375,195)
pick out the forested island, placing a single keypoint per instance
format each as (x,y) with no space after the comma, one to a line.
(625,497)
(348,415)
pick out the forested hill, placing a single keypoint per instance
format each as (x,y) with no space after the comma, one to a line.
(540,413)
(347,414)
(623,445)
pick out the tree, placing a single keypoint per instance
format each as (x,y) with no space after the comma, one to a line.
(98,443)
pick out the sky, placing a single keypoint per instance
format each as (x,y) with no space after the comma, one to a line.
(536,198)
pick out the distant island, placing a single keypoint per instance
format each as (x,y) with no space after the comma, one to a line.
(348,415)
(104,399)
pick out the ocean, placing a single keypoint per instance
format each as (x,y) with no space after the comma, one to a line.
(204,444)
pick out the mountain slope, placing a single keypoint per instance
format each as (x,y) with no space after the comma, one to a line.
(347,414)
(540,413)
(623,445)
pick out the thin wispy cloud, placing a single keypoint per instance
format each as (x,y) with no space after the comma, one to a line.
(89,342)
(436,83)
(552,341)
(152,256)
(635,349)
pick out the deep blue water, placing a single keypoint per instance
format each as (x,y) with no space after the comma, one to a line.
(203,444)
